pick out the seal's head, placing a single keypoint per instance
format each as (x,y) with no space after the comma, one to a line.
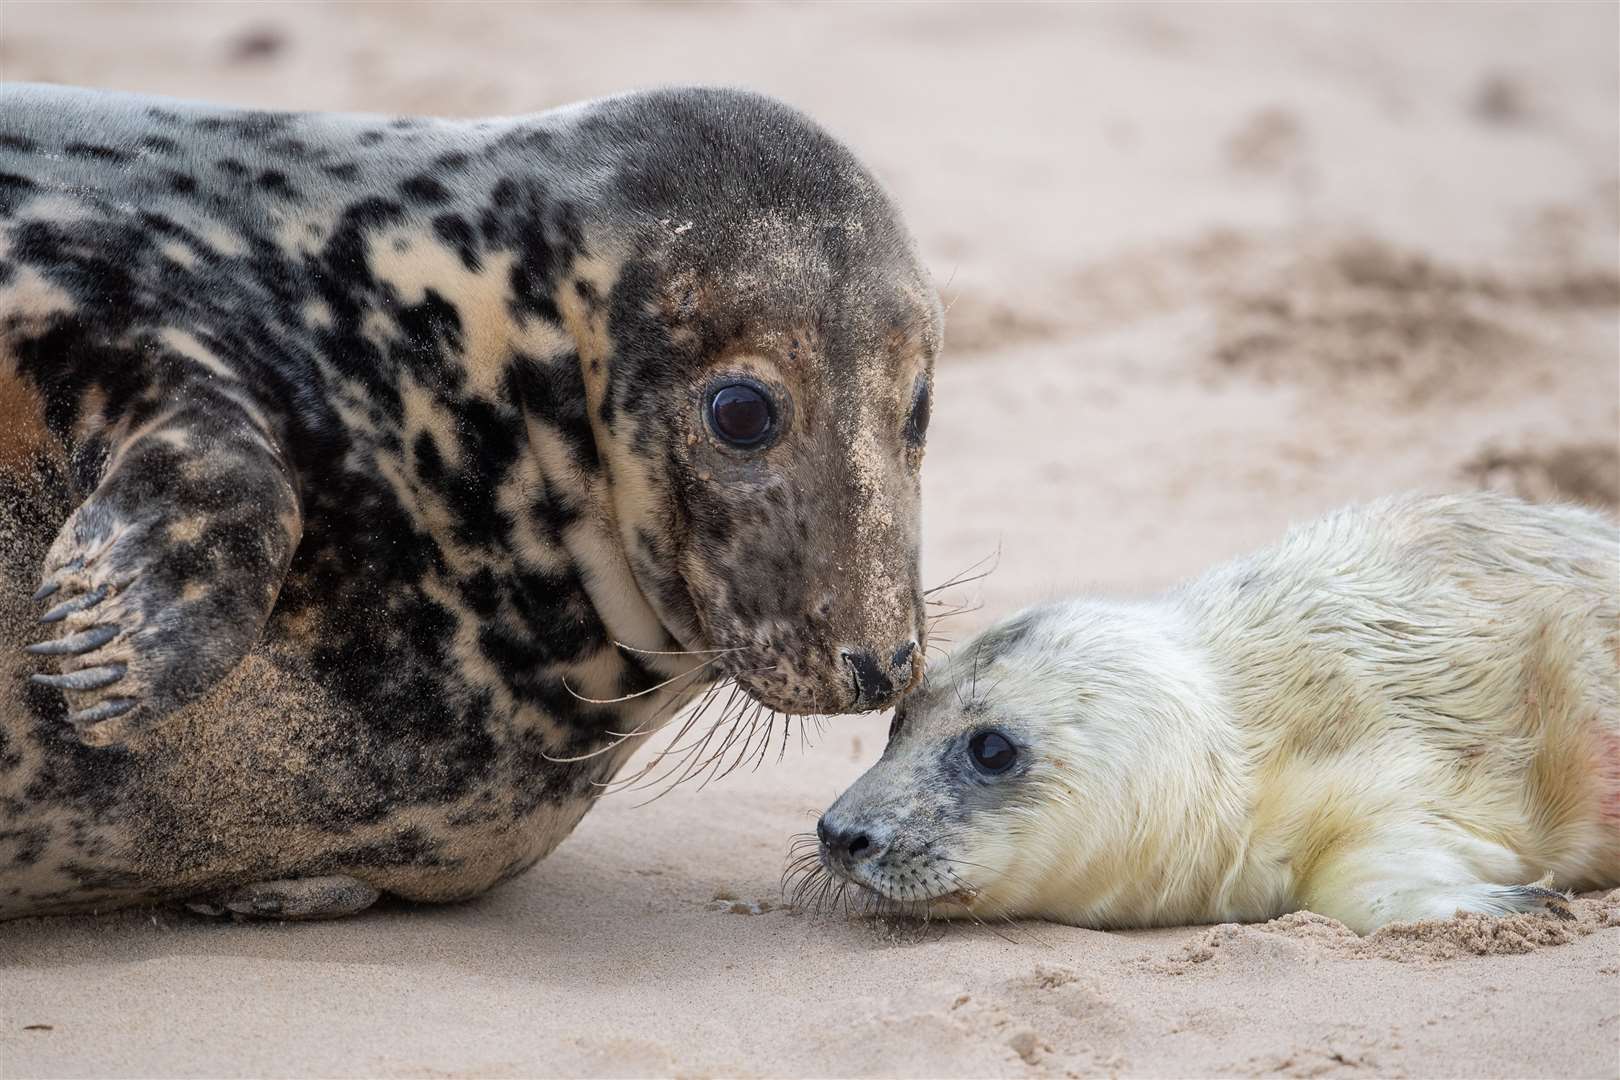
(760,391)
(1037,772)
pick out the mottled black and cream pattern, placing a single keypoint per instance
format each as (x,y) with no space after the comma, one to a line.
(351,466)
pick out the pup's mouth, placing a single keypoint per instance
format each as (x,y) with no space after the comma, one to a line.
(818,878)
(903,887)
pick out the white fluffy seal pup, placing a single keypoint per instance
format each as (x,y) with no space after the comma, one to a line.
(1400,712)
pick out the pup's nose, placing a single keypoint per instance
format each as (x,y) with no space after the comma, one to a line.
(845,844)
(877,678)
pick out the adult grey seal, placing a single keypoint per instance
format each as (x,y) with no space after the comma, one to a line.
(365,482)
(1403,711)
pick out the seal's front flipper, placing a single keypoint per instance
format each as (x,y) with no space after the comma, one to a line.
(1514,899)
(162,579)
(295,898)
(1366,886)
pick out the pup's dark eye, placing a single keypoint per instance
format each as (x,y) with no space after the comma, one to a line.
(992,752)
(741,414)
(917,421)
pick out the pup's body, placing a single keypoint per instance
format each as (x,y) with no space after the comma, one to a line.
(1402,711)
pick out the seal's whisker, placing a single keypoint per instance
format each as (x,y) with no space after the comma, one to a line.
(765,744)
(961,886)
(946,308)
(824,895)
(651,724)
(675,746)
(692,718)
(787,729)
(804,864)
(683,757)
(677,652)
(745,724)
(803,890)
(804,850)
(685,769)
(804,730)
(740,727)
(967,577)
(795,884)
(745,752)
(802,854)
(630,782)
(685,754)
(638,693)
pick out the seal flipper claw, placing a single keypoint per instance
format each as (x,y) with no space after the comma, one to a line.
(45,591)
(329,897)
(74,644)
(1536,899)
(92,678)
(78,603)
(166,574)
(107,710)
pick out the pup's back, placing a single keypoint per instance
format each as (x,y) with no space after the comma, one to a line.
(1450,659)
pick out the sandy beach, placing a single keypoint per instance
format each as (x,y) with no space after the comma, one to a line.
(1210,270)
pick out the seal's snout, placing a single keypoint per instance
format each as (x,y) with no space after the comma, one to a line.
(879,680)
(846,845)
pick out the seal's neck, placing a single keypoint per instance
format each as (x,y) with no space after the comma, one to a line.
(526,304)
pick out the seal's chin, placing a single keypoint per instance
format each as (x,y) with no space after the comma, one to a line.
(792,688)
(797,668)
(901,888)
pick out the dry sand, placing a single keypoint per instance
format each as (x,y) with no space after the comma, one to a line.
(1212,270)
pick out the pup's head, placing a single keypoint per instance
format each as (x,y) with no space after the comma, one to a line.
(1034,773)
(764,401)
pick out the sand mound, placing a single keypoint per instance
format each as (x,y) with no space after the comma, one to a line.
(1361,312)
(1270,141)
(1303,936)
(1584,472)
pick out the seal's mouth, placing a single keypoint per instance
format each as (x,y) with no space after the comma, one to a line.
(819,878)
(899,886)
(800,680)
(895,895)
(808,663)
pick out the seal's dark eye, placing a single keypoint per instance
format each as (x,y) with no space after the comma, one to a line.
(741,414)
(917,421)
(992,752)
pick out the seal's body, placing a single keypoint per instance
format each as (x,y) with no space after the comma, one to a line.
(363,482)
(1402,711)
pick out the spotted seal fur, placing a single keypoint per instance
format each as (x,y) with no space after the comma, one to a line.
(365,481)
(1403,711)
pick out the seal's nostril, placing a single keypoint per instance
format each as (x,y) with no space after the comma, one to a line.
(844,844)
(871,684)
(902,655)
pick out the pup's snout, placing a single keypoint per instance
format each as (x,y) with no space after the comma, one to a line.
(880,679)
(846,845)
